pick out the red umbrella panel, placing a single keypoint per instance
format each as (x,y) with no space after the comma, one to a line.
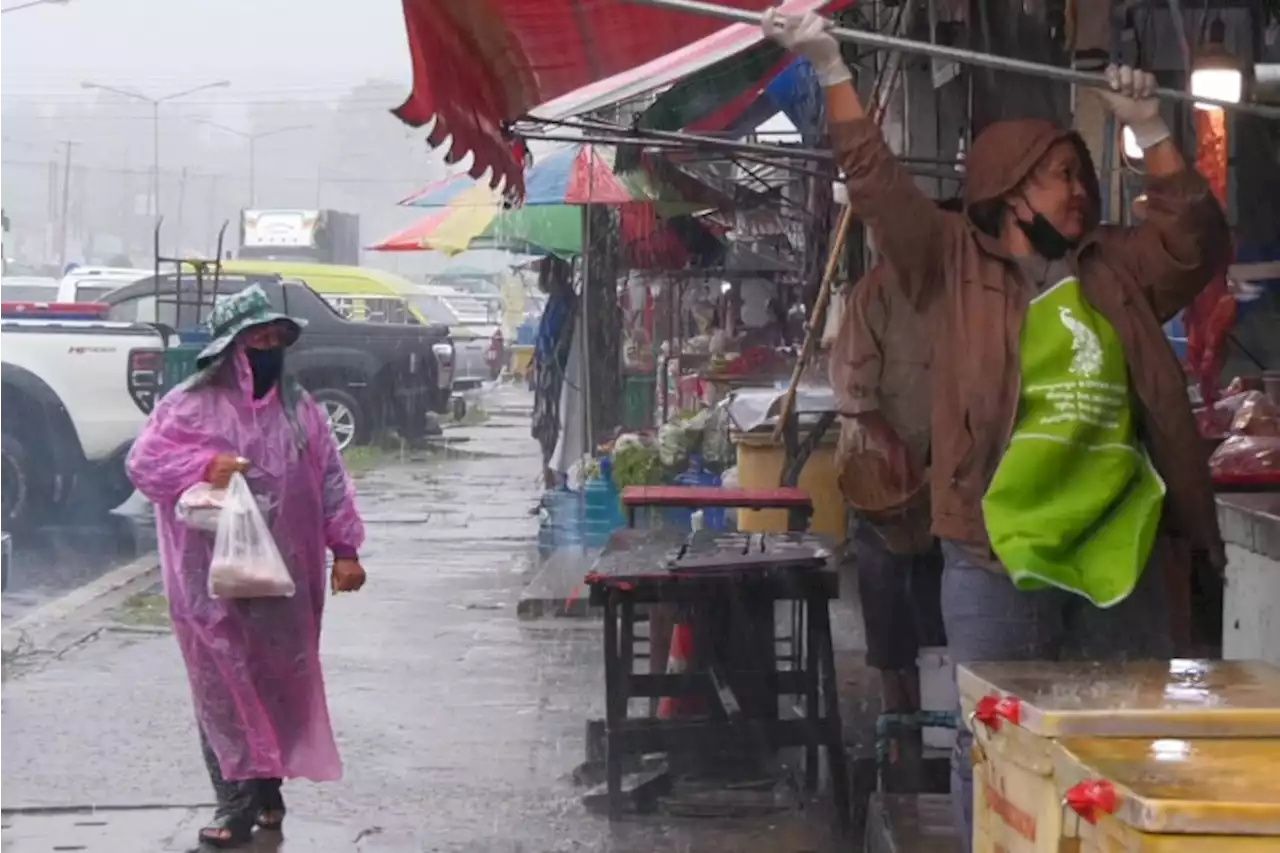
(480,64)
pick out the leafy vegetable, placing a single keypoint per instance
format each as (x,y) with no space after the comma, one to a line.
(636,465)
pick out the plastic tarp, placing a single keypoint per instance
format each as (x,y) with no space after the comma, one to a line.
(755,408)
(478,64)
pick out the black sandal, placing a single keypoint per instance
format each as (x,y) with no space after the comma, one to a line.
(239,832)
(272,804)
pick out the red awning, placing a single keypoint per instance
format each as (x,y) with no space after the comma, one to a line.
(480,63)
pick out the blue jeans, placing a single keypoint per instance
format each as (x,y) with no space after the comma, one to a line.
(987,619)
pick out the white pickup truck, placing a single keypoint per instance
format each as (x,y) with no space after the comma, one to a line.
(76,392)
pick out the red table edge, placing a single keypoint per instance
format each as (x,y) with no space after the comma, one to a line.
(715,496)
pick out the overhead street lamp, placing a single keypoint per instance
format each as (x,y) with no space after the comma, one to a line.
(1217,73)
(18,7)
(155,122)
(253,145)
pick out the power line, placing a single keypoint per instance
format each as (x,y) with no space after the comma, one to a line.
(326,178)
(238,97)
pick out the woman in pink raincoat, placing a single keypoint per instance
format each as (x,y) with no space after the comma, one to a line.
(253,663)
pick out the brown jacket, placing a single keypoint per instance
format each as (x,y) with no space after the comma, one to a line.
(880,363)
(1136,277)
(880,359)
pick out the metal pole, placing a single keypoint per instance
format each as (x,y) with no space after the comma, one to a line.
(640,135)
(66,200)
(182,202)
(955,54)
(585,355)
(155,158)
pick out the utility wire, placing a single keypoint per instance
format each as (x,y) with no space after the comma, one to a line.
(230,176)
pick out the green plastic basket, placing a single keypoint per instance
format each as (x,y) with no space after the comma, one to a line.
(180,364)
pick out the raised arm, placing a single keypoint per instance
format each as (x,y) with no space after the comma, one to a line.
(909,229)
(1185,240)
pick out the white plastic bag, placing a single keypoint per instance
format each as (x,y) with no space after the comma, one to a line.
(200,507)
(246,562)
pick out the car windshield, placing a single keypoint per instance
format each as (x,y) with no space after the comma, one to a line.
(372,309)
(95,292)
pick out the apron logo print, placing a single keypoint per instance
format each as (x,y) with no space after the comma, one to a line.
(1086,349)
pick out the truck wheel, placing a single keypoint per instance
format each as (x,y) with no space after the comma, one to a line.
(345,416)
(106,486)
(24,497)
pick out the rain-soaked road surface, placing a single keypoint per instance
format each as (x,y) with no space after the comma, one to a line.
(56,559)
(459,724)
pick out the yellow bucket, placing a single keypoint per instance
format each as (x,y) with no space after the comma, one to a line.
(760,461)
(1021,713)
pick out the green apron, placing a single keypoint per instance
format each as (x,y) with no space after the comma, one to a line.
(1075,502)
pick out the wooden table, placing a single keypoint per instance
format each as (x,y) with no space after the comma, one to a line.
(730,575)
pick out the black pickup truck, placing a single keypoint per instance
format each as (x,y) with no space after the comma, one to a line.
(366,376)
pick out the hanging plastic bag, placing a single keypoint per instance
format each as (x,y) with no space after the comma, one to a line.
(246,561)
(200,507)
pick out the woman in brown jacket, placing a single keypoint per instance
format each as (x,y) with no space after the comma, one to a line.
(1063,444)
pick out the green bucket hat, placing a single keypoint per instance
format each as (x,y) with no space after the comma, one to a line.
(246,309)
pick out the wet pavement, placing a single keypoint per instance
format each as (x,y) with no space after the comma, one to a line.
(459,724)
(56,559)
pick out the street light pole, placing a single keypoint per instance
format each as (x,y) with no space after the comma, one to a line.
(154,206)
(253,168)
(252,139)
(155,121)
(18,7)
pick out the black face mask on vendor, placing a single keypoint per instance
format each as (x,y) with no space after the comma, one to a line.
(267,365)
(1044,238)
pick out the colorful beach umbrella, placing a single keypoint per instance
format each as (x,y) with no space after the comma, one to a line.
(556,187)
(574,174)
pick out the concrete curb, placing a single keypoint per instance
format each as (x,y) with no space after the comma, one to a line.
(39,627)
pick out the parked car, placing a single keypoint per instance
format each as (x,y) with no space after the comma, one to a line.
(483,290)
(377,296)
(28,288)
(366,376)
(90,284)
(75,394)
(477,338)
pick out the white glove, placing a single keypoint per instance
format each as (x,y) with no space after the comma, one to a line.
(1132,100)
(807,36)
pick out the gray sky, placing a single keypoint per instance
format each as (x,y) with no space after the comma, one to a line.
(268,49)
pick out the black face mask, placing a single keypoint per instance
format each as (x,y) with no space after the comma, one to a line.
(267,365)
(1045,239)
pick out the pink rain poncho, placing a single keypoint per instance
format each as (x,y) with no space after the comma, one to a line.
(253,664)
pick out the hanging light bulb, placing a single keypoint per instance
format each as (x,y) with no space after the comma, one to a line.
(1217,73)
